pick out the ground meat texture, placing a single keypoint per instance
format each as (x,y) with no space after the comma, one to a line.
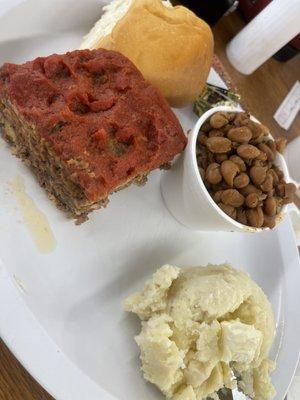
(87,123)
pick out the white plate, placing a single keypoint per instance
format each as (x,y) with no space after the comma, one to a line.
(61,313)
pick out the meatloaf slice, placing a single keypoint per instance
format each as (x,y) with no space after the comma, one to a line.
(87,123)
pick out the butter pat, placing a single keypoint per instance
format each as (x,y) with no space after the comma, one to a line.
(200,328)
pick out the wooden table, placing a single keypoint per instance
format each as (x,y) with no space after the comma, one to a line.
(263,91)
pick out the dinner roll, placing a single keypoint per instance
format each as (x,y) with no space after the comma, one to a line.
(171,46)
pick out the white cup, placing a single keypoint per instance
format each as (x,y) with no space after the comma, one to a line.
(186,196)
(269,31)
(292,158)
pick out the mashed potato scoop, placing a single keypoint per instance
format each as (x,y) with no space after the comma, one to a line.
(204,329)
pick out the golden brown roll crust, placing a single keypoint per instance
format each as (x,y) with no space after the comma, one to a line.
(171,46)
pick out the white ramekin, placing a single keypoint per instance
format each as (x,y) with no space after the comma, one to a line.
(186,196)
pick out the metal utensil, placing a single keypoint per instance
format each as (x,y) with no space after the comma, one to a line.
(225,394)
(237,395)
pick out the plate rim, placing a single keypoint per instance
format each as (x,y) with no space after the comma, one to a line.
(68,381)
(60,377)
